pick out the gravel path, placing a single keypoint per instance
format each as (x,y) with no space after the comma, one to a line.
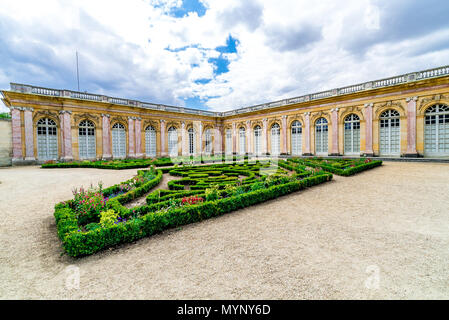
(328,242)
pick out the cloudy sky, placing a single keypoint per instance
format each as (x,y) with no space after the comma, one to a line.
(217,54)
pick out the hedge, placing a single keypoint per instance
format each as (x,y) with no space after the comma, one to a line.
(79,244)
(139,163)
(342,172)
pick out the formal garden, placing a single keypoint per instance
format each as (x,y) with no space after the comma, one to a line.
(97,217)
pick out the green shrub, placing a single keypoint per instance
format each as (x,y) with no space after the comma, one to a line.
(108,218)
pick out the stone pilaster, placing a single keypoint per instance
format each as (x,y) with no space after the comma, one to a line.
(411,128)
(284,149)
(307,150)
(162,138)
(234,139)
(368,110)
(138,135)
(131,138)
(218,139)
(264,136)
(29,138)
(16,123)
(334,119)
(66,135)
(248,137)
(184,146)
(106,139)
(200,138)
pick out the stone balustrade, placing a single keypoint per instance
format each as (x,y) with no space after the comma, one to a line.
(391,81)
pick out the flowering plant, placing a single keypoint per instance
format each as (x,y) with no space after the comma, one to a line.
(191,200)
(88,203)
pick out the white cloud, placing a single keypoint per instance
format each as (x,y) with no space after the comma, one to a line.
(286,48)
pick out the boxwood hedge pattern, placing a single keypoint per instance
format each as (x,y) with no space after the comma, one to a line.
(341,167)
(257,182)
(271,182)
(120,164)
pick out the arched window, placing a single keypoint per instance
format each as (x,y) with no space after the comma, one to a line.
(436,132)
(390,133)
(296,140)
(192,141)
(321,136)
(150,141)
(207,141)
(275,139)
(242,140)
(47,139)
(118,141)
(173,142)
(86,140)
(228,141)
(257,140)
(352,134)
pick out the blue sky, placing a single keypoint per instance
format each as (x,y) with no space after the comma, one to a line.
(214,54)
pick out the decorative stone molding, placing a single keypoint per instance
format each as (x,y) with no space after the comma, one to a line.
(381,107)
(120,119)
(152,123)
(78,117)
(46,113)
(344,112)
(434,99)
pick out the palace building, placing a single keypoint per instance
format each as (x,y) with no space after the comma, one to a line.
(401,116)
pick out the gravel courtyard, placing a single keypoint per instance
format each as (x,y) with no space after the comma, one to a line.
(382,234)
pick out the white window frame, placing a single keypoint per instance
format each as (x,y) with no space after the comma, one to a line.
(118,141)
(351,127)
(87,140)
(390,133)
(436,131)
(47,139)
(296,138)
(322,137)
(150,141)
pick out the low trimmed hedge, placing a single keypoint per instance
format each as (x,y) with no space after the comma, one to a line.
(341,172)
(141,163)
(79,244)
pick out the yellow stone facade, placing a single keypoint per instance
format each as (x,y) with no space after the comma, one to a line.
(410,98)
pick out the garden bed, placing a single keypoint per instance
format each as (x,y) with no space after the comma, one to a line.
(341,167)
(96,219)
(120,164)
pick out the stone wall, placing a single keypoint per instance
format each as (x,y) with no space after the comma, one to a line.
(5,142)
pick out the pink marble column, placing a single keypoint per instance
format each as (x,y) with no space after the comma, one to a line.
(411,127)
(217,149)
(248,137)
(29,139)
(162,136)
(106,137)
(61,134)
(369,130)
(200,138)
(66,135)
(131,138)
(138,135)
(16,121)
(334,118)
(234,139)
(284,135)
(264,136)
(307,151)
(183,139)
